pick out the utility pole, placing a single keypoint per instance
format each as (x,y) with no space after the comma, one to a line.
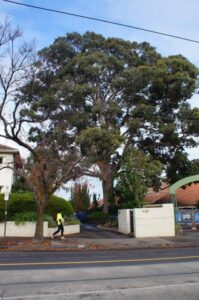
(6,198)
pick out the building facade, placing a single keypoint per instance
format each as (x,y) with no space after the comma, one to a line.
(9,161)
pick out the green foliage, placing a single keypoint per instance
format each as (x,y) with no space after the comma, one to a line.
(98,143)
(111,224)
(138,172)
(22,203)
(71,221)
(2,209)
(20,186)
(98,217)
(22,217)
(28,216)
(49,219)
(194,167)
(17,203)
(114,93)
(58,204)
(182,167)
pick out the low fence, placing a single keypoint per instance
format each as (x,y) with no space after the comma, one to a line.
(187,217)
(28,229)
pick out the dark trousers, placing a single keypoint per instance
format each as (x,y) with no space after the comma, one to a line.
(60,228)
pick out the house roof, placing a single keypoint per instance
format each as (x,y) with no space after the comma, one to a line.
(189,195)
(7,149)
(17,158)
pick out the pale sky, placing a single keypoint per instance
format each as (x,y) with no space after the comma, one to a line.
(176,17)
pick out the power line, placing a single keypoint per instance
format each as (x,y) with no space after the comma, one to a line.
(103,21)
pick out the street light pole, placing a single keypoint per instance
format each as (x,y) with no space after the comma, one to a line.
(6,198)
(6,208)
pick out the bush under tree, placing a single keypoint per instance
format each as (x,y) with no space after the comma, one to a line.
(25,203)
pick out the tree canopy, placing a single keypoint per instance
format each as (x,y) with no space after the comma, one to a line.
(100,95)
(138,172)
(115,93)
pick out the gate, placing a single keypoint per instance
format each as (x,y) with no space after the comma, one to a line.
(187,217)
(132,221)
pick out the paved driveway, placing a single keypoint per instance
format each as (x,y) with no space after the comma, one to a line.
(88,231)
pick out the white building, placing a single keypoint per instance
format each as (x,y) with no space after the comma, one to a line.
(9,157)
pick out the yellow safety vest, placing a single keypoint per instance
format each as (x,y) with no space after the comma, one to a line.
(59,218)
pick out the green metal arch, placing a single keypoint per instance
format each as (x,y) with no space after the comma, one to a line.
(184,181)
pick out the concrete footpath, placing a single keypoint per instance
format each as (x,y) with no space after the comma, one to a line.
(110,241)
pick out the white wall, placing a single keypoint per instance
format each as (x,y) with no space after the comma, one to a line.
(124,223)
(28,229)
(156,221)
(25,230)
(6,175)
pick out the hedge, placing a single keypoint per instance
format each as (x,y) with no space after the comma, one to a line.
(20,203)
(58,204)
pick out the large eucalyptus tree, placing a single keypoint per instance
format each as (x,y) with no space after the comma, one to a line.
(114,93)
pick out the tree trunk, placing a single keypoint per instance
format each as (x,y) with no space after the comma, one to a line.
(39,225)
(107,184)
(107,187)
(105,196)
(41,201)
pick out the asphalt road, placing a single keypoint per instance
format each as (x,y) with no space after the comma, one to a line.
(142,274)
(63,260)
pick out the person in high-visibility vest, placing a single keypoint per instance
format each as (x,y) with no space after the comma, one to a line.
(60,221)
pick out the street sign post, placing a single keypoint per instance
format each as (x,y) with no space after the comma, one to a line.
(6,198)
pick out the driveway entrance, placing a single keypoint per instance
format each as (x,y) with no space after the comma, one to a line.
(90,231)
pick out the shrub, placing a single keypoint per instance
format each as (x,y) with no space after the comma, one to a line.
(49,219)
(2,210)
(71,221)
(98,217)
(20,186)
(20,203)
(111,224)
(58,204)
(17,203)
(22,217)
(28,216)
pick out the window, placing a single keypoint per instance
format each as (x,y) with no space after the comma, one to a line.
(1,160)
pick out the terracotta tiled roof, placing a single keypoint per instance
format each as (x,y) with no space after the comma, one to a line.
(184,196)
